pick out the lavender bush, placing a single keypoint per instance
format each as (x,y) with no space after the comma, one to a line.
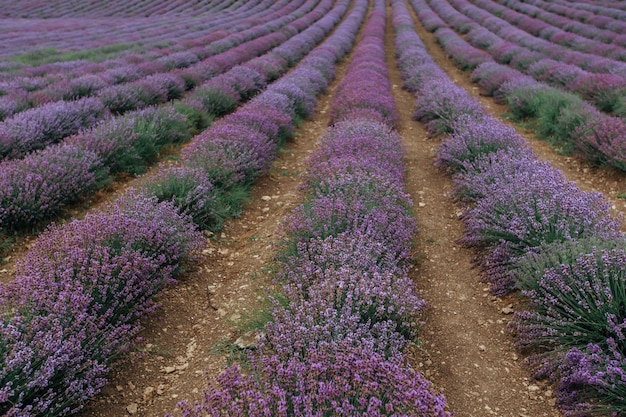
(77,299)
(39,186)
(36,128)
(441,104)
(332,379)
(473,138)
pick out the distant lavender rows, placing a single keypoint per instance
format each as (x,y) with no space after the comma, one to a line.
(335,348)
(614,9)
(71,34)
(37,128)
(115,8)
(548,29)
(37,187)
(75,79)
(598,80)
(589,25)
(562,118)
(532,230)
(76,302)
(180,33)
(509,44)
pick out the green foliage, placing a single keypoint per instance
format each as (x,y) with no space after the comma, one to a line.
(214,101)
(530,269)
(6,242)
(197,119)
(556,114)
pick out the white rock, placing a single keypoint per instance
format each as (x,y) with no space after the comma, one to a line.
(132,408)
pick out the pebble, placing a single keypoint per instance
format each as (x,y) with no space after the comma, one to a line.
(148,393)
(132,408)
(266,198)
(169,369)
(508,309)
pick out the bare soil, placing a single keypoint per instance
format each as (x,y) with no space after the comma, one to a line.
(464,347)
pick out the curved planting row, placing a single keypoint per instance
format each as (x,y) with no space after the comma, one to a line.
(75,304)
(516,36)
(335,347)
(533,231)
(37,187)
(614,10)
(36,128)
(562,118)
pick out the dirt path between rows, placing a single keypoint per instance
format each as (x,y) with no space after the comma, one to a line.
(465,347)
(213,309)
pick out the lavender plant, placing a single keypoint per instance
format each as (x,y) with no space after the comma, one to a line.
(335,380)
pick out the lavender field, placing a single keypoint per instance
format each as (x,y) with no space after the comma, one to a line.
(312,208)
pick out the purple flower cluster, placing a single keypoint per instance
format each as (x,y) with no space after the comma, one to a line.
(77,299)
(37,128)
(36,188)
(533,229)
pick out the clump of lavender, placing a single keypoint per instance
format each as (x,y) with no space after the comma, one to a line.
(603,90)
(77,299)
(441,104)
(531,209)
(602,140)
(577,303)
(474,138)
(374,208)
(331,379)
(190,190)
(37,187)
(36,128)
(231,153)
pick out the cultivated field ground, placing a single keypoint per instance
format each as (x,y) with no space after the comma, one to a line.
(313,208)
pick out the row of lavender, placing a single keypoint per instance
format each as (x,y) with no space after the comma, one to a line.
(598,80)
(129,85)
(79,294)
(24,37)
(571,124)
(38,187)
(533,231)
(335,347)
